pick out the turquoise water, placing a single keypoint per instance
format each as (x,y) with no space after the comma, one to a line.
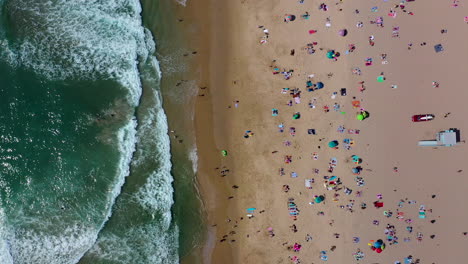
(85,165)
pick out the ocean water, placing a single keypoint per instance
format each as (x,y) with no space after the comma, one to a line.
(85,163)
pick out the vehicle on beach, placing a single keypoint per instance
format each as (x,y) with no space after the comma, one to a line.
(422,118)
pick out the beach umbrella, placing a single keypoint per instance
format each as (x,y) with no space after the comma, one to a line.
(357,159)
(343,32)
(320,85)
(319,199)
(362,115)
(297,115)
(330,54)
(381,78)
(378,243)
(333,144)
(224,153)
(378,250)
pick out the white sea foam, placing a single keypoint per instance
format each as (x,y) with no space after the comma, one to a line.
(90,40)
(158,248)
(154,197)
(80,39)
(193,156)
(182,2)
(173,63)
(50,239)
(156,193)
(26,246)
(5,255)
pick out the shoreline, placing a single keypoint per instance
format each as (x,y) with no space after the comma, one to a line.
(209,133)
(172,27)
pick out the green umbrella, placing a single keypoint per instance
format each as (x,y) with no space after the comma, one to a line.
(333,144)
(224,153)
(330,54)
(381,78)
(362,115)
(319,199)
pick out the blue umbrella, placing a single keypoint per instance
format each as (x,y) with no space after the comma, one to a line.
(320,85)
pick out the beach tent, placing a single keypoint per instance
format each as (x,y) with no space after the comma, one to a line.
(356,104)
(356,159)
(274,112)
(378,204)
(288,18)
(356,170)
(343,32)
(251,210)
(333,144)
(438,48)
(319,199)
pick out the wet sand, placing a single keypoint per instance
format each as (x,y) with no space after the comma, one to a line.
(237,68)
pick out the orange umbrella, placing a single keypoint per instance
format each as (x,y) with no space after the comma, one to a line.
(356,104)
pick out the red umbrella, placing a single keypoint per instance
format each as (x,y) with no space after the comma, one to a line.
(378,250)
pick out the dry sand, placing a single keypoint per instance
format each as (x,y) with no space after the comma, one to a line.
(239,69)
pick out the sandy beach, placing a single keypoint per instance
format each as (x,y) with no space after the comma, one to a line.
(262,64)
